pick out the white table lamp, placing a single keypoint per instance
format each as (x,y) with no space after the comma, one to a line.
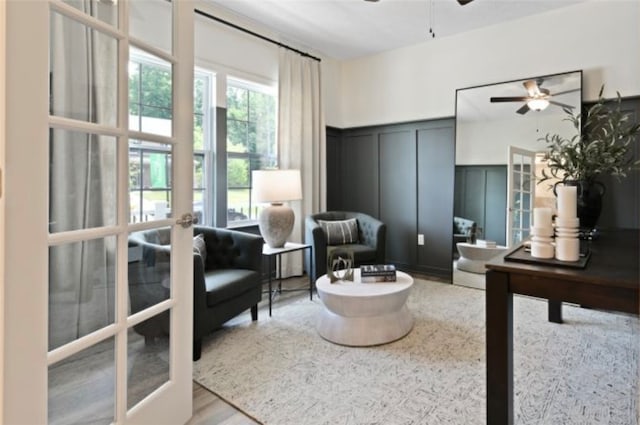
(276,186)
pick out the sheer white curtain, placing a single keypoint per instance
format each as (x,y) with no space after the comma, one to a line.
(82,178)
(301,140)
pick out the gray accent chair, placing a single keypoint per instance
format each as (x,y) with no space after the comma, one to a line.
(226,284)
(369,249)
(461,231)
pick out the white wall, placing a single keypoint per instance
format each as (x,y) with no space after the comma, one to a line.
(229,51)
(419,82)
(487,142)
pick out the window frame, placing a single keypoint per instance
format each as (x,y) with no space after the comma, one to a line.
(251,157)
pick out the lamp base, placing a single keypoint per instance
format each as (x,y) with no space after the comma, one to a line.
(276,224)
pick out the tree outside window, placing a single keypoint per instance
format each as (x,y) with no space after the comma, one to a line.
(150,111)
(251,145)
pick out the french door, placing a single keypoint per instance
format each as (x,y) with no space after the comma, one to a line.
(79,345)
(521,194)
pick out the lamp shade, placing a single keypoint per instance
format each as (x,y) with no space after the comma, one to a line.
(276,186)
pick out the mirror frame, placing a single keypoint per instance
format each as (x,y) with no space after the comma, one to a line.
(505,122)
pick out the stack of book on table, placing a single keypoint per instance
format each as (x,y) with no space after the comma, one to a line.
(486,244)
(378,273)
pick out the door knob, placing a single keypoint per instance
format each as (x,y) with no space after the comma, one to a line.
(187,220)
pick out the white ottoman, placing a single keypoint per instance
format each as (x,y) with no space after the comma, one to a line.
(362,314)
(474,257)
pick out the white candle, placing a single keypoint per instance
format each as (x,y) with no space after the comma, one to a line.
(542,217)
(567,201)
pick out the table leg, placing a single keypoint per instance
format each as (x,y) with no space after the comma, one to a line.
(555,311)
(270,294)
(310,276)
(499,340)
(280,273)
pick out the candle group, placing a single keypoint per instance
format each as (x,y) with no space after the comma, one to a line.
(542,217)
(567,201)
(566,246)
(542,233)
(567,242)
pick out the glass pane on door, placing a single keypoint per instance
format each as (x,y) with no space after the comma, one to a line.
(82,387)
(83,72)
(81,289)
(105,11)
(149,271)
(150,172)
(150,94)
(82,180)
(147,357)
(145,17)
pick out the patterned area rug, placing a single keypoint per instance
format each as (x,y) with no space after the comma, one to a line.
(280,371)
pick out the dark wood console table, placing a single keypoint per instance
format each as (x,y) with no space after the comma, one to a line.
(610,281)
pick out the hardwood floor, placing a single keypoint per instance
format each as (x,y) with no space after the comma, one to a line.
(209,409)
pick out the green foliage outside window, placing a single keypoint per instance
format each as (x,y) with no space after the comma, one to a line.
(251,145)
(150,91)
(251,125)
(150,95)
(200,86)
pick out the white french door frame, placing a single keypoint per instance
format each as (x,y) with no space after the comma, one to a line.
(517,187)
(25,215)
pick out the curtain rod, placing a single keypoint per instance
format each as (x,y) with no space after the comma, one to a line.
(232,25)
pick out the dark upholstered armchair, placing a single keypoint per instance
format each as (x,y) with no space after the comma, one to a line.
(367,239)
(226,279)
(461,231)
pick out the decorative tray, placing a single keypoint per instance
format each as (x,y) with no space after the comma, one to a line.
(522,255)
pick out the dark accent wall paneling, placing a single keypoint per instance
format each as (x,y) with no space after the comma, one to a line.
(435,198)
(403,175)
(481,196)
(359,172)
(397,182)
(621,201)
(334,170)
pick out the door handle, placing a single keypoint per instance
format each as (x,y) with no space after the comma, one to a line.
(187,220)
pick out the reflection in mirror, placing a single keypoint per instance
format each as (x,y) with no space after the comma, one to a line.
(499,128)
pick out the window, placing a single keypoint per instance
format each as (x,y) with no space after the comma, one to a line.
(251,144)
(150,111)
(202,145)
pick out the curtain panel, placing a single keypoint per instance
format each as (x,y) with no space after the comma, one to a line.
(82,176)
(301,140)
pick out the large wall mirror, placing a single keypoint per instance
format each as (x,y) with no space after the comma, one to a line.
(498,155)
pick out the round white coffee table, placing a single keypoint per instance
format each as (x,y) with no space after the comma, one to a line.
(362,314)
(474,257)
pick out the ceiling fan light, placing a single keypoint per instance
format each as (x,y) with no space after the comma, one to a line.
(538,104)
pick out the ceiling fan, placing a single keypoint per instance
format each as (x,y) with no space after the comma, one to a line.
(538,97)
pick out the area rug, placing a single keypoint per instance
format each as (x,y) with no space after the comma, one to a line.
(280,371)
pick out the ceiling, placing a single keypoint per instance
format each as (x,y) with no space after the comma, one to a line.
(346,29)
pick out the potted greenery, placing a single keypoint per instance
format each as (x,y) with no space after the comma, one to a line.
(603,147)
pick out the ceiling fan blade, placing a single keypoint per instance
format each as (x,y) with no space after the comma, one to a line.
(565,92)
(532,87)
(563,105)
(509,99)
(523,110)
